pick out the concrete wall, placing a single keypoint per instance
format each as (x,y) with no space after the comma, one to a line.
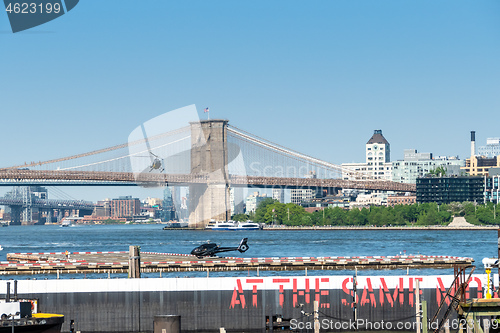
(238,304)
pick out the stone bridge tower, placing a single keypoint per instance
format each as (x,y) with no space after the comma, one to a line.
(209,157)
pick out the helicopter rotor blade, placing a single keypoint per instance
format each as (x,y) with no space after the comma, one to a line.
(147,142)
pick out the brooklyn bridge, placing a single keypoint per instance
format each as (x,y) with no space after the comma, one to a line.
(208,156)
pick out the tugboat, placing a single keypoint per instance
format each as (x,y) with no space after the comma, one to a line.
(17,316)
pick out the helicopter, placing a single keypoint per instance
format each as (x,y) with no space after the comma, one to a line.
(210,249)
(156,163)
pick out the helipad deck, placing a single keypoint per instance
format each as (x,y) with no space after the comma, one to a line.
(117,262)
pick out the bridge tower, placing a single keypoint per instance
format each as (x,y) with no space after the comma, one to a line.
(209,158)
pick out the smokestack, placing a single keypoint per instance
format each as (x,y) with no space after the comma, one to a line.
(472,143)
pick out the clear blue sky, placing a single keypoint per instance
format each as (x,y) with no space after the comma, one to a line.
(314,76)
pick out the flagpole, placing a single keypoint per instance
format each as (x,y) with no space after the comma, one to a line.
(208,114)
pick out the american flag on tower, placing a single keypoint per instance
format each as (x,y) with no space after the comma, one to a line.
(205,110)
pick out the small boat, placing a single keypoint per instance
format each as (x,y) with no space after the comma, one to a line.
(233,226)
(25,321)
(65,223)
(175,225)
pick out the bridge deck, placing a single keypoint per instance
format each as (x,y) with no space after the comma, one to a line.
(117,262)
(12,177)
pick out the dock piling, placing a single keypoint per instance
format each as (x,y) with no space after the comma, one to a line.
(7,296)
(134,262)
(316,316)
(424,317)
(417,306)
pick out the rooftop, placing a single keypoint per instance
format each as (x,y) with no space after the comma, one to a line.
(377,137)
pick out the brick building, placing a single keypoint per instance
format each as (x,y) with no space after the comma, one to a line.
(125,206)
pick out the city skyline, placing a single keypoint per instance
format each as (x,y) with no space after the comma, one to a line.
(318,78)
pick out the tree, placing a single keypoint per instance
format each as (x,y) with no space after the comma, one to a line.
(440,171)
(337,216)
(261,210)
(428,218)
(356,217)
(240,217)
(291,214)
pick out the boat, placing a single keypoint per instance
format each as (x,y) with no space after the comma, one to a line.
(175,225)
(17,316)
(65,223)
(1,248)
(233,225)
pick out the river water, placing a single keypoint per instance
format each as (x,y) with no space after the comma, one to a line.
(267,243)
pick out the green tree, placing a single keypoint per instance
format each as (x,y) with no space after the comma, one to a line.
(356,217)
(440,171)
(292,214)
(337,216)
(261,210)
(241,217)
(428,218)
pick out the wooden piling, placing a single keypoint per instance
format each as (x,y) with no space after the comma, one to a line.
(316,316)
(424,317)
(134,262)
(417,306)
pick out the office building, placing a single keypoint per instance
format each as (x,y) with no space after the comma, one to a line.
(169,213)
(329,201)
(492,186)
(444,190)
(394,200)
(252,201)
(236,200)
(479,165)
(125,206)
(415,165)
(377,160)
(297,196)
(279,194)
(491,149)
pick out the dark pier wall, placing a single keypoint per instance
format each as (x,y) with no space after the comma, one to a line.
(237,304)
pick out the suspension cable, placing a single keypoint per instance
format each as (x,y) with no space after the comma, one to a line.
(276,147)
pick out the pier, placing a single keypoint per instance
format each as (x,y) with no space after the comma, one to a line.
(117,262)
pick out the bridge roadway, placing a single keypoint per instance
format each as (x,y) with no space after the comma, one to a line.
(19,177)
(49,203)
(117,262)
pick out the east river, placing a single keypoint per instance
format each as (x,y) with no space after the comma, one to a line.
(267,243)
